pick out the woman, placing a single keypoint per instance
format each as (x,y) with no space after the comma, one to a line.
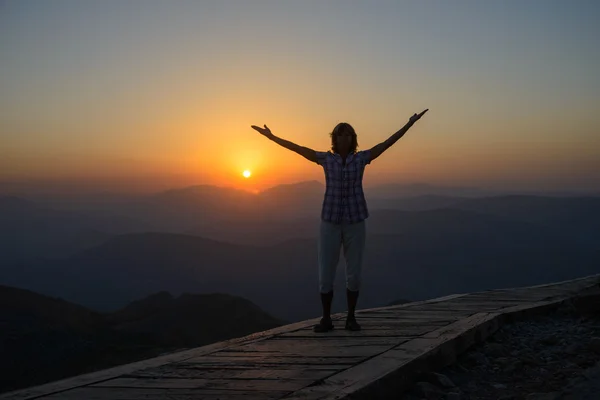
(344,211)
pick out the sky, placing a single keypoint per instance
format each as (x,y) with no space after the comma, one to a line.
(141,95)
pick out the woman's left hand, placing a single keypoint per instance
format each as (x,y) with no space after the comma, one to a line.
(417,117)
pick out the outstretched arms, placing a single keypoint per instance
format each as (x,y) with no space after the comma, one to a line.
(383,146)
(305,152)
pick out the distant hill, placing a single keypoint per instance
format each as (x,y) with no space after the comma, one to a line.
(45,339)
(413,203)
(417,189)
(412,255)
(203,239)
(33,229)
(192,320)
(20,308)
(575,216)
(29,231)
(398,302)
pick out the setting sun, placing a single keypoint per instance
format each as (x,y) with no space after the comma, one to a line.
(246,174)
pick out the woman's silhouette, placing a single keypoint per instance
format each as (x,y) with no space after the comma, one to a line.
(344,210)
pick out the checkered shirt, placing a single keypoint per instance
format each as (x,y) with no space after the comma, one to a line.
(344,199)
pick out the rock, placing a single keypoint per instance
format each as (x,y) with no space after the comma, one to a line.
(513,366)
(503,360)
(589,374)
(438,379)
(550,357)
(462,368)
(529,360)
(453,396)
(595,344)
(410,396)
(543,396)
(550,340)
(429,391)
(495,349)
(476,358)
(573,348)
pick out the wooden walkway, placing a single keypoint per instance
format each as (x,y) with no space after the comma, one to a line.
(292,362)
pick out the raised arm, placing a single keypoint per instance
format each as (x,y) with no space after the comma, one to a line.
(383,146)
(305,152)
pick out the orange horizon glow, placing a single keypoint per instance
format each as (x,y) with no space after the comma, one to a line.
(414,158)
(154,102)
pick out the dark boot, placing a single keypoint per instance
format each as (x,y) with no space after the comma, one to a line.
(325,324)
(351,323)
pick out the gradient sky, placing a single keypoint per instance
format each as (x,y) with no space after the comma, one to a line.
(164,92)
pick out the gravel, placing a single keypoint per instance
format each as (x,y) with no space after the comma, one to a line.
(555,356)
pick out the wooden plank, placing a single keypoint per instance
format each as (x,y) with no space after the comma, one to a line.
(485,300)
(399,324)
(404,305)
(433,312)
(418,312)
(401,306)
(368,331)
(392,371)
(302,350)
(96,393)
(249,385)
(500,294)
(410,312)
(256,361)
(395,321)
(480,305)
(362,319)
(283,344)
(86,379)
(468,309)
(172,371)
(347,341)
(408,315)
(260,366)
(355,378)
(525,298)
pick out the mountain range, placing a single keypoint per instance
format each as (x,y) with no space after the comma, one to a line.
(263,247)
(45,338)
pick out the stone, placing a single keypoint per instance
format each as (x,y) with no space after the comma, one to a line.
(514,366)
(573,348)
(543,396)
(438,379)
(594,344)
(453,396)
(551,357)
(429,391)
(503,360)
(476,358)
(495,349)
(549,340)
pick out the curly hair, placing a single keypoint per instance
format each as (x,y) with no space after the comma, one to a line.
(343,127)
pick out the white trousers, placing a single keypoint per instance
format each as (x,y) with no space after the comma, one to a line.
(334,237)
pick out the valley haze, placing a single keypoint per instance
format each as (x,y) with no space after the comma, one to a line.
(423,241)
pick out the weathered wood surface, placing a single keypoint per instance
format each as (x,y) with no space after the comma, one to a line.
(293,362)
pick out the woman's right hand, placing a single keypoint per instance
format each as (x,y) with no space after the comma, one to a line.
(263,131)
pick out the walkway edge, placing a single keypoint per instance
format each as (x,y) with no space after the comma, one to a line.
(393,371)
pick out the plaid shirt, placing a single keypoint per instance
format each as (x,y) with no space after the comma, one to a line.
(344,197)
